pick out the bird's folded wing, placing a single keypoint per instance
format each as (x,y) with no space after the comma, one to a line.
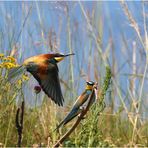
(76,109)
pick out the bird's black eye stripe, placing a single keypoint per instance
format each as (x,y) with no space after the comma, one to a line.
(90,83)
(59,55)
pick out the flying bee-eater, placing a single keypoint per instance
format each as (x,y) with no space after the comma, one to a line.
(45,70)
(81,102)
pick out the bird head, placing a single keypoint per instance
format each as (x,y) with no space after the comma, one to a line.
(89,85)
(59,57)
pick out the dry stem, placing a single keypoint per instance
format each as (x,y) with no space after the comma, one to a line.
(82,114)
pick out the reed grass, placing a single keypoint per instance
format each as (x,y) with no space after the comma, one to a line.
(81,28)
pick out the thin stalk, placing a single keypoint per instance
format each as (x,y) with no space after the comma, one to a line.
(93,35)
(19,123)
(133,91)
(23,24)
(41,22)
(132,21)
(134,70)
(9,126)
(70,49)
(35,101)
(142,85)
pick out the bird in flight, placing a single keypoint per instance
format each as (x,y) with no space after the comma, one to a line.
(45,70)
(81,101)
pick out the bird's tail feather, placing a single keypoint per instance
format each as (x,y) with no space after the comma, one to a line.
(73,116)
(68,118)
(60,124)
(15,73)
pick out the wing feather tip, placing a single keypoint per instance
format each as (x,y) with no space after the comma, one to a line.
(59,102)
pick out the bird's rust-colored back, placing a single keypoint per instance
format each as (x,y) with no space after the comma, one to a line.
(45,70)
(39,59)
(46,73)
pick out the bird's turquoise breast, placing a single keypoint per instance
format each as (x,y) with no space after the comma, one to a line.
(88,92)
(93,97)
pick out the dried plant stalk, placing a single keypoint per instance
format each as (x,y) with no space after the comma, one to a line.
(19,124)
(82,114)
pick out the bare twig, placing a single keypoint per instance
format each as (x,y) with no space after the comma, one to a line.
(105,59)
(19,124)
(82,114)
(132,21)
(24,24)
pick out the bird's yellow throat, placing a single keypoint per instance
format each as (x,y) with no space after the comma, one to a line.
(88,87)
(59,58)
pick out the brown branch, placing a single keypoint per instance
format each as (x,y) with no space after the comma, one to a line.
(80,117)
(19,124)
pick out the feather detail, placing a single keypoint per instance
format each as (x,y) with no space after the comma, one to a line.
(48,79)
(15,74)
(75,109)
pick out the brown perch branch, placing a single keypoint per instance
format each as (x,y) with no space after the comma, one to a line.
(83,112)
(19,124)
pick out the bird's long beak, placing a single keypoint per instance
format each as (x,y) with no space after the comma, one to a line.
(66,55)
(62,57)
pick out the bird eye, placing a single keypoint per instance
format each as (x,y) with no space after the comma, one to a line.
(31,64)
(90,83)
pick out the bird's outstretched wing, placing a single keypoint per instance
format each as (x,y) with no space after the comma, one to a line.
(15,73)
(49,81)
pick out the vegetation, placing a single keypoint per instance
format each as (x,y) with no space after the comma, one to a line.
(119,117)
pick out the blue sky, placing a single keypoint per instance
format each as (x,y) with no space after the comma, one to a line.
(44,17)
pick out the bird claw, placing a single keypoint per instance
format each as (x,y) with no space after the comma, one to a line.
(82,117)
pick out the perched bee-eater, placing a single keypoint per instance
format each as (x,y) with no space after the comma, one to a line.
(81,102)
(45,70)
